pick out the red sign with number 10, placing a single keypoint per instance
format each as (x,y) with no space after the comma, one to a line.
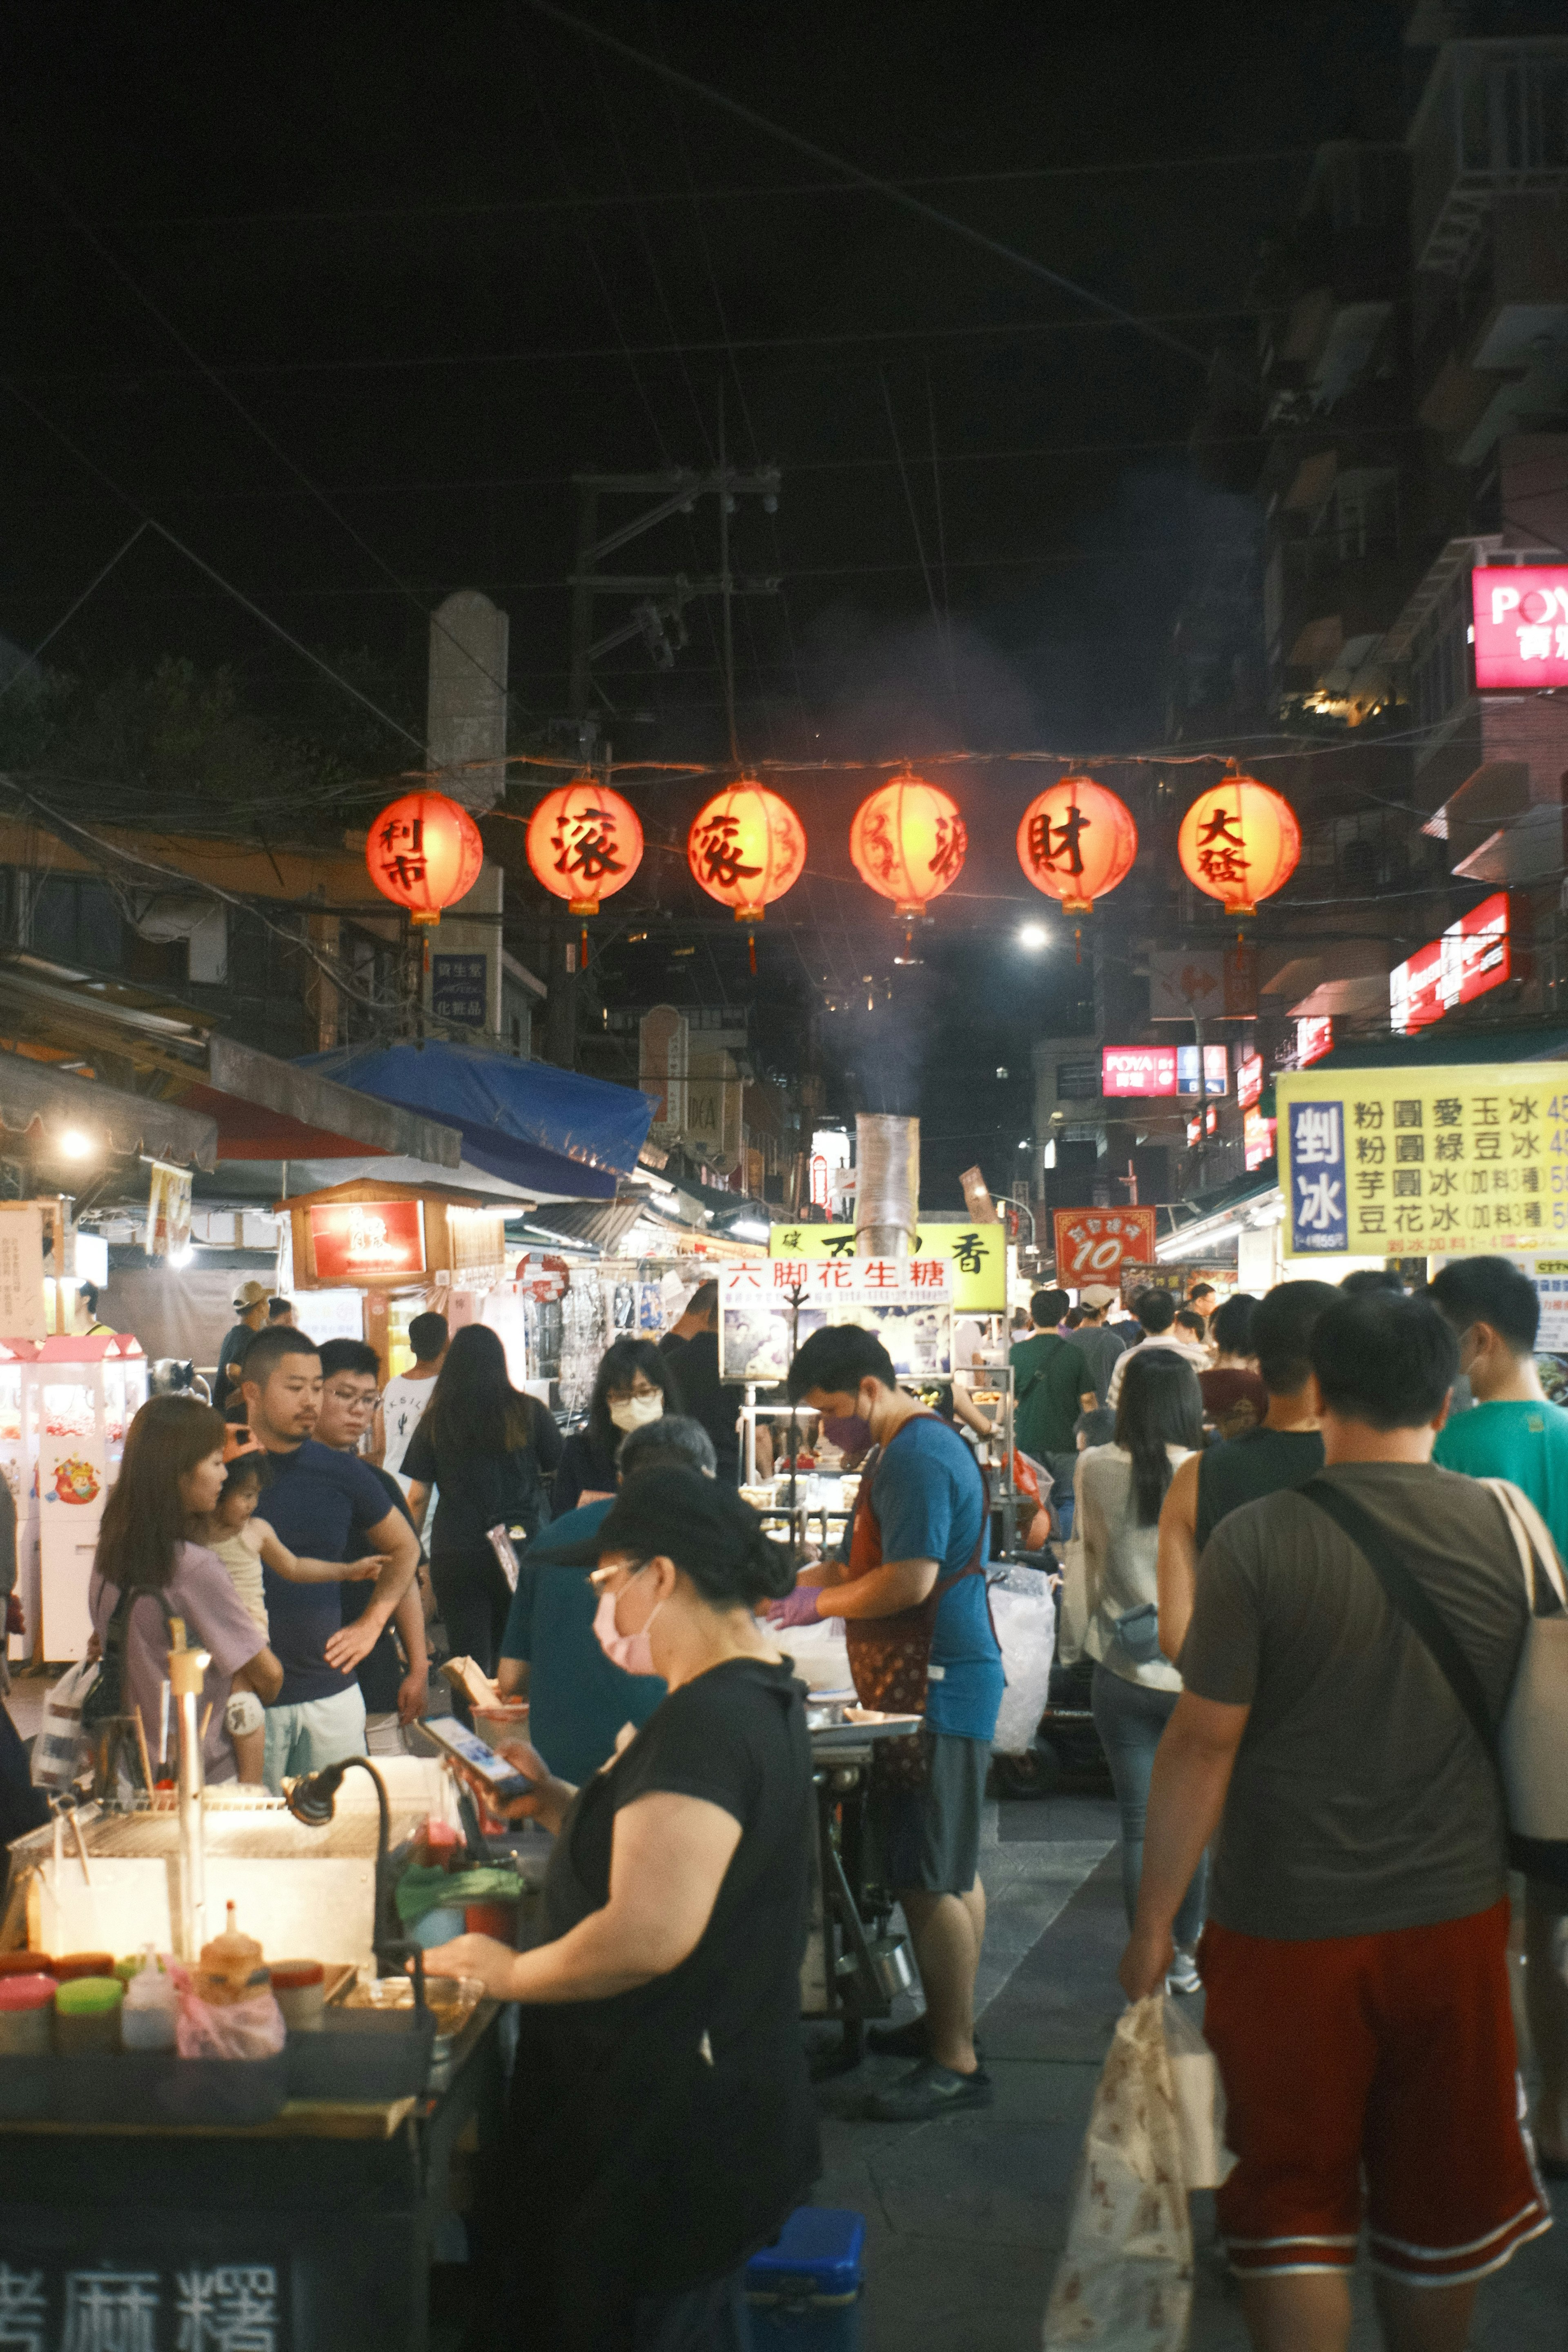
(1092,1242)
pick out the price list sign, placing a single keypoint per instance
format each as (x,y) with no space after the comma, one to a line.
(907,1301)
(1425,1163)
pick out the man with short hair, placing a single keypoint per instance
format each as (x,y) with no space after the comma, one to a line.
(250,1312)
(313,1499)
(1284,1450)
(693,1344)
(394,1695)
(917,1552)
(1203,1299)
(1098,1347)
(1513,1431)
(88,1322)
(1156,1313)
(407,1394)
(1356,1962)
(1052,1384)
(280,1310)
(579,1702)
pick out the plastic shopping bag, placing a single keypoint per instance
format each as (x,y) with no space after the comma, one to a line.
(1024,1612)
(60,1750)
(1125,2279)
(820,1654)
(251,2028)
(1206,2162)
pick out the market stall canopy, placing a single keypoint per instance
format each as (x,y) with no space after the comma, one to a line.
(44,1103)
(263,1109)
(539,1126)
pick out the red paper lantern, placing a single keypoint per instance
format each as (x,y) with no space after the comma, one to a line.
(746,848)
(1240,842)
(1075,841)
(424,853)
(908,841)
(583,844)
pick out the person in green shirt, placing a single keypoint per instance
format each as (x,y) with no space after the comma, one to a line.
(1513,1433)
(1052,1384)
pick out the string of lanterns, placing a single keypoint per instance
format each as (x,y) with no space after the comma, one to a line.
(1239,842)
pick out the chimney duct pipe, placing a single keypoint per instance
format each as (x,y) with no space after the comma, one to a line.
(887,1184)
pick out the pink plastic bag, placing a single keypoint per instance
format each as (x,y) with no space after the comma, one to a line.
(251,2028)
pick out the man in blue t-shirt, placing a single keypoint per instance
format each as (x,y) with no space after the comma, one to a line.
(312,1499)
(923,1529)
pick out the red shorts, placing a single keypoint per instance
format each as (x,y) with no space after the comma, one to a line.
(1392,2055)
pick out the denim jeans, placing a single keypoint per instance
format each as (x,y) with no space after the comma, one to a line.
(1129,1718)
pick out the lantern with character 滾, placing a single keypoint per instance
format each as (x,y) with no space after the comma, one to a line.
(424,853)
(1240,842)
(583,843)
(746,848)
(1075,841)
(908,841)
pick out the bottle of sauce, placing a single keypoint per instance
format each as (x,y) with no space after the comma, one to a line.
(230,1967)
(147,2017)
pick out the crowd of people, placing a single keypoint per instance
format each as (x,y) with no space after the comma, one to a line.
(1311,1827)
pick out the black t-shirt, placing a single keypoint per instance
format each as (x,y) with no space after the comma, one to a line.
(670,2129)
(707,1400)
(586,1469)
(1246,1469)
(380,1676)
(479,1491)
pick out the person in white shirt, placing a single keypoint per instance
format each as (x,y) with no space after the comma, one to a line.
(1156,1314)
(407,1394)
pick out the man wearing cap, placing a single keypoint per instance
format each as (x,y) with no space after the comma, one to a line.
(250,1304)
(1097,1346)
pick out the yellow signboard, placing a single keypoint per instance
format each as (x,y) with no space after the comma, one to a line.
(1424,1163)
(979,1254)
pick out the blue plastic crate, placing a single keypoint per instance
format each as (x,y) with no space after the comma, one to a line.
(805,2291)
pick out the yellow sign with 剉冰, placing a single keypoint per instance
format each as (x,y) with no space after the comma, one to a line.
(979,1254)
(1424,1163)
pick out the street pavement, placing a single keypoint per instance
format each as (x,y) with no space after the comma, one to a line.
(966,2218)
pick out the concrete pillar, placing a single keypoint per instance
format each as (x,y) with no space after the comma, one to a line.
(466,716)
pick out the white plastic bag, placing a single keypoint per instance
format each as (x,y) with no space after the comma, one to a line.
(59,1751)
(1075,1609)
(1125,2278)
(1024,1610)
(1206,2162)
(820,1654)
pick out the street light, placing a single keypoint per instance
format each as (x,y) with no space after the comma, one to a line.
(74,1144)
(1034,935)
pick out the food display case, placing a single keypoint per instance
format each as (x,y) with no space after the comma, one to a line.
(78,1397)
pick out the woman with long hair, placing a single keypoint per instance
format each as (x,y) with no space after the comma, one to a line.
(476,1442)
(169,1483)
(635,1384)
(1120,1489)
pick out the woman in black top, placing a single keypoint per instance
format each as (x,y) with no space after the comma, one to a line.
(663,2122)
(476,1441)
(635,1384)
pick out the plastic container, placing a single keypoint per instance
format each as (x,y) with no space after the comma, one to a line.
(84,1964)
(300,1988)
(805,2292)
(147,2019)
(26,2016)
(26,1964)
(437,1926)
(87,2016)
(497,1919)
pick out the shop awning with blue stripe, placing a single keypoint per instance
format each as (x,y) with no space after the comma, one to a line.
(529,1122)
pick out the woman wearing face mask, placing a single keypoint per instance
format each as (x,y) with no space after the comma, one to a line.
(476,1441)
(635,1384)
(664,2124)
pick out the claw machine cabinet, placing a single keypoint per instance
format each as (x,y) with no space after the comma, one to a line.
(84,1393)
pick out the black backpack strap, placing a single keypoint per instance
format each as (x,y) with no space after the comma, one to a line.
(1407,1598)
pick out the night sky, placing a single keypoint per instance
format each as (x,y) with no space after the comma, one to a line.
(445,257)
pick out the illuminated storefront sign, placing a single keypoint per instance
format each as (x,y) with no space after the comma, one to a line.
(1162,1070)
(1471,956)
(1092,1243)
(1258,1138)
(1522,626)
(1249,1080)
(351,1240)
(1314,1038)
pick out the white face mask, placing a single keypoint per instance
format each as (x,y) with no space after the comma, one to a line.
(637,1412)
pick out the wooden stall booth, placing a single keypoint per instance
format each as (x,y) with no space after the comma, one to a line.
(366,1257)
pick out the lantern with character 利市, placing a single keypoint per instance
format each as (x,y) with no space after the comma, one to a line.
(424,853)
(1240,842)
(1075,841)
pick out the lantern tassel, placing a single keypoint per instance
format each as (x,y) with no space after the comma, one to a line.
(751,952)
(582,950)
(1077,943)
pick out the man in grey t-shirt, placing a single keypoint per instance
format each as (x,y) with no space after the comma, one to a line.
(1356,1962)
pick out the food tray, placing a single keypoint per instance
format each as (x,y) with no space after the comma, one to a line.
(142,2086)
(850,1728)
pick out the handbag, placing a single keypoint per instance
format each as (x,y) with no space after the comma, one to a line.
(1529,1749)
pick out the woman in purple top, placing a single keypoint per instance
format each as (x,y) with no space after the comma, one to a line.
(170,1479)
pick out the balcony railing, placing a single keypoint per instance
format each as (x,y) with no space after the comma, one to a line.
(1493,119)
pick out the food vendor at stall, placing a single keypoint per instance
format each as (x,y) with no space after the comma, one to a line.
(664,2125)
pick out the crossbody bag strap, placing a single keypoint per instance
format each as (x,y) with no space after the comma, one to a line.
(1407,1598)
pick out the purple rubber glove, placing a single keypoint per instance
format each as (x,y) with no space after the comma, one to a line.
(799,1609)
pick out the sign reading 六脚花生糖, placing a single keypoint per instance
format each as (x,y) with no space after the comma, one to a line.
(978,1254)
(1091,1244)
(1421,1162)
(907,1301)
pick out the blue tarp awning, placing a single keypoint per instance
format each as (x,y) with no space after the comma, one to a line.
(529,1122)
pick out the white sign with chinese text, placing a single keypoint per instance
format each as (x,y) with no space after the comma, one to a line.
(21,1271)
(768,1307)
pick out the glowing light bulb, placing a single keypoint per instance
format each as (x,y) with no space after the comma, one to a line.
(74,1144)
(1034,935)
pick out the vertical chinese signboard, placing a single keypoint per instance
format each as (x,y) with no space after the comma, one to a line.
(907,1301)
(1091,1244)
(1425,1163)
